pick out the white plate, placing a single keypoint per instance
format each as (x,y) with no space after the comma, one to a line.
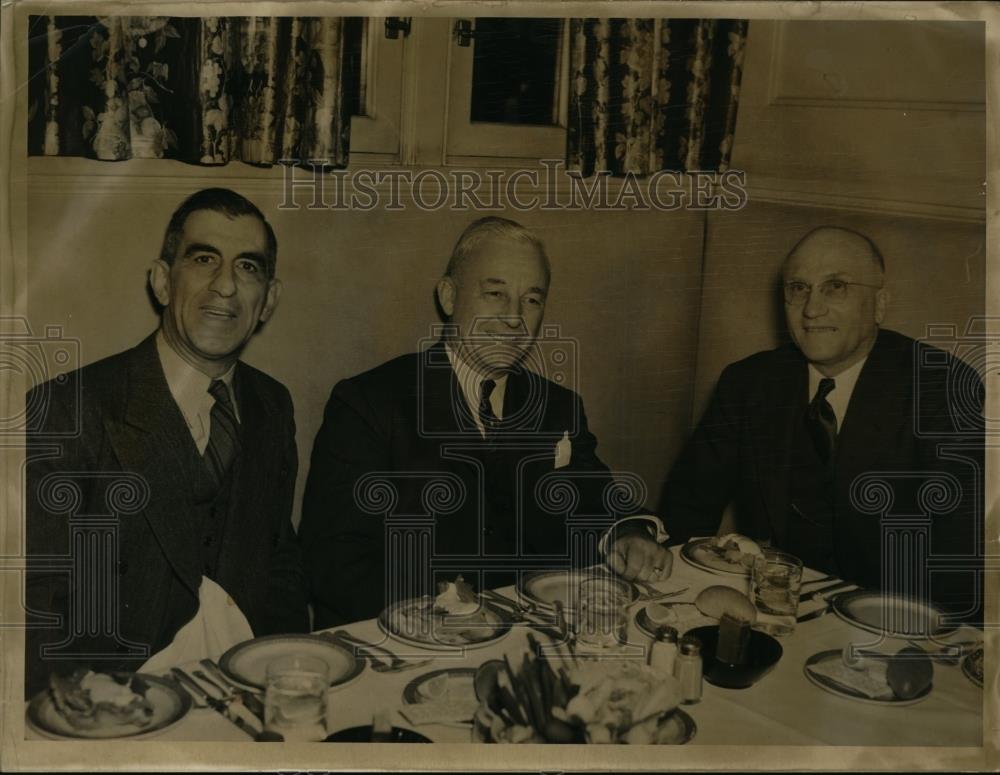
(896,617)
(247,662)
(547,587)
(697,553)
(485,627)
(170,704)
(841,690)
(451,684)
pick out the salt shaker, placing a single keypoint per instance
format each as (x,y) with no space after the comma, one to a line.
(663,652)
(687,670)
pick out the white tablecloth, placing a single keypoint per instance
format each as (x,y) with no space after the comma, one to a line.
(784,708)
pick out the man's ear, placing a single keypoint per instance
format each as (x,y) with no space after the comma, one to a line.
(159,281)
(882,298)
(446,295)
(271,300)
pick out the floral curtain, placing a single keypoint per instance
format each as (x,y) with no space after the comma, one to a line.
(202,90)
(653,94)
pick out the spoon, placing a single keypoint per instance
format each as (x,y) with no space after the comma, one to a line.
(855,658)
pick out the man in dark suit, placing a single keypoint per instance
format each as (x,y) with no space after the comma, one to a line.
(191,453)
(461,441)
(806,439)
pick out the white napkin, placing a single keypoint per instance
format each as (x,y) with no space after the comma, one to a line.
(564,451)
(217,626)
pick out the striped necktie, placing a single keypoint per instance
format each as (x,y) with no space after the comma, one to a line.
(822,421)
(224,436)
(487,416)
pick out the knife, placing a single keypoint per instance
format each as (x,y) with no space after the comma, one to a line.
(251,701)
(821,611)
(215,704)
(837,686)
(826,590)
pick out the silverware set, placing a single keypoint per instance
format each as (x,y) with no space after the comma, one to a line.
(381,659)
(240,706)
(822,593)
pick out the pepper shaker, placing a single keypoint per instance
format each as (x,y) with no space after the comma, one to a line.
(688,670)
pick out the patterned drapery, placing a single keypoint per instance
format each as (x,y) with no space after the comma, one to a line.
(653,94)
(202,90)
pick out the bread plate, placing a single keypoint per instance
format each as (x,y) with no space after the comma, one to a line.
(828,671)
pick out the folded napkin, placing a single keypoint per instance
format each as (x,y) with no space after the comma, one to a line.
(217,626)
(870,680)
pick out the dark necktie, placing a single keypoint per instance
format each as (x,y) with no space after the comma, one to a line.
(821,420)
(487,416)
(224,436)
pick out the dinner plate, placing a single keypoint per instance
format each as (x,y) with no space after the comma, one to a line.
(906,618)
(969,666)
(170,704)
(546,587)
(833,686)
(697,553)
(452,684)
(363,734)
(412,621)
(246,662)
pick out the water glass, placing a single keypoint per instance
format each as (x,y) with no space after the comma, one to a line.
(602,616)
(295,697)
(776,582)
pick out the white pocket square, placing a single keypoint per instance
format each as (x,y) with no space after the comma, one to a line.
(564,450)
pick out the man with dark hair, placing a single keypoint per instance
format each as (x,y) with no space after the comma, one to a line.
(469,418)
(796,436)
(204,443)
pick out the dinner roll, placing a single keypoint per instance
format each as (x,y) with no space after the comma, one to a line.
(718,600)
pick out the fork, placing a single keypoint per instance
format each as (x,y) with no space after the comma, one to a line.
(213,676)
(227,707)
(395,664)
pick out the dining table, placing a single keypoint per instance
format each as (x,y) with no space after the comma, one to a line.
(784,708)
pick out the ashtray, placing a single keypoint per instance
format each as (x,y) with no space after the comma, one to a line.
(763,653)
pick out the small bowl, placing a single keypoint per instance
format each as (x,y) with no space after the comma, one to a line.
(763,654)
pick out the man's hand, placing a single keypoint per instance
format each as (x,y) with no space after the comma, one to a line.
(637,556)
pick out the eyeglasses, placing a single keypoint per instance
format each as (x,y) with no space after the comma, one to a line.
(797,293)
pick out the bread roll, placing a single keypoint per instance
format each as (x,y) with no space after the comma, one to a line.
(719,600)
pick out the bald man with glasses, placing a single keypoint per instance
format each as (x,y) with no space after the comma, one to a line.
(789,431)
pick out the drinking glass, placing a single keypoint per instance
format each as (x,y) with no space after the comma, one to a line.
(602,617)
(295,697)
(776,581)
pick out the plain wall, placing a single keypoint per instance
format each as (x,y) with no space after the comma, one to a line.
(935,274)
(358,290)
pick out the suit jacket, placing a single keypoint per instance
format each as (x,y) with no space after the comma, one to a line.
(406,422)
(116,420)
(903,407)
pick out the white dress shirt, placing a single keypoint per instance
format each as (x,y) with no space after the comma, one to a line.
(840,396)
(471,382)
(218,624)
(189,387)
